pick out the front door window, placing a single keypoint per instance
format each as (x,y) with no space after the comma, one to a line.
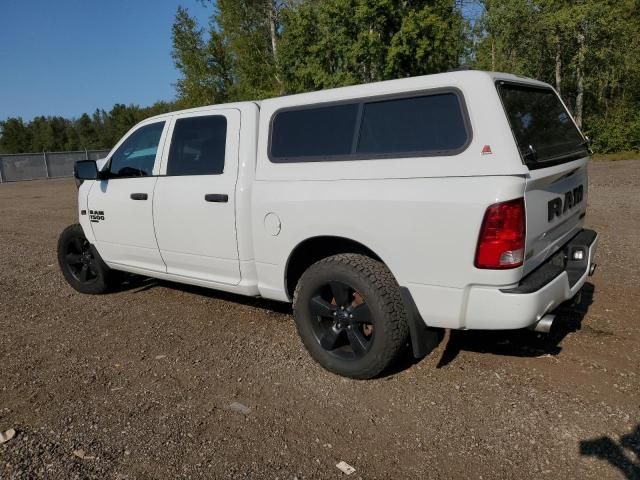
(137,155)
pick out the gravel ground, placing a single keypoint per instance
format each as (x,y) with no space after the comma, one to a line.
(142,383)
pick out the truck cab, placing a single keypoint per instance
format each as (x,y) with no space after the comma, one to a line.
(381,211)
(167,193)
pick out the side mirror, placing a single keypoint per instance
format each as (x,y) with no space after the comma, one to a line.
(85,170)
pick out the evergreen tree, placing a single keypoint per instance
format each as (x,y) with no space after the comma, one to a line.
(100,131)
(15,136)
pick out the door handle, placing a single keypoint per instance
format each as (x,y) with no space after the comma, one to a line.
(216,197)
(139,196)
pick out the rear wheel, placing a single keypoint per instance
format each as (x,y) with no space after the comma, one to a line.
(80,263)
(350,315)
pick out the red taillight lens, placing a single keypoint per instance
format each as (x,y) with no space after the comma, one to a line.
(501,242)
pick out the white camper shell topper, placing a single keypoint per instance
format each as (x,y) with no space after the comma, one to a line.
(382,211)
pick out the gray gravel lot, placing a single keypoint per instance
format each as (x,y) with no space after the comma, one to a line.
(140,383)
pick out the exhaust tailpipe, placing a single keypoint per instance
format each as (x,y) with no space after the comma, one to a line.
(544,324)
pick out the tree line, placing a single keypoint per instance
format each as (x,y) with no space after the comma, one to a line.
(101,130)
(587,49)
(255,49)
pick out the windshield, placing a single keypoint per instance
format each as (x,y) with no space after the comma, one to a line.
(541,125)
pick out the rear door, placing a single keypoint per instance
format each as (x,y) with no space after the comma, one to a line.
(556,154)
(194,200)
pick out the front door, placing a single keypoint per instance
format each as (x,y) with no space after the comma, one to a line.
(194,201)
(121,206)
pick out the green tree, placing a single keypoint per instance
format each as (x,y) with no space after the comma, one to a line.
(99,131)
(432,38)
(42,135)
(586,48)
(235,58)
(86,133)
(15,136)
(251,30)
(341,42)
(205,66)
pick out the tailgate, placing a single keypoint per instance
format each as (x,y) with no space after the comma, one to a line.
(556,153)
(555,202)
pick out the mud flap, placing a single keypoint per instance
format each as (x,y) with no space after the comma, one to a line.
(423,338)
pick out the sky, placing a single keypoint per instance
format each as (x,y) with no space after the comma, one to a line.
(68,57)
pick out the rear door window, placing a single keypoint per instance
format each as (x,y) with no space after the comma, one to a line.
(198,146)
(541,125)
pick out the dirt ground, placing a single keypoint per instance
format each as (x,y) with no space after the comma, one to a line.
(140,383)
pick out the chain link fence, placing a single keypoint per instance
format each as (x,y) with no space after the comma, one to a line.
(36,166)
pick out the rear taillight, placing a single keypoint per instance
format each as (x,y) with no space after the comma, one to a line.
(501,242)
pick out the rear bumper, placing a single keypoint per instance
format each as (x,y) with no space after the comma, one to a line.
(555,281)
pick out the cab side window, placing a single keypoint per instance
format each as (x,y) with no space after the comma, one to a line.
(198,146)
(136,156)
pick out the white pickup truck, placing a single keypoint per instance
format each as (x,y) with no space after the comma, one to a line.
(382,211)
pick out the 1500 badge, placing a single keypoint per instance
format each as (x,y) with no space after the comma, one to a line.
(559,206)
(96,215)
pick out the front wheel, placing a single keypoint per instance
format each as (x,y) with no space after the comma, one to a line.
(350,316)
(80,263)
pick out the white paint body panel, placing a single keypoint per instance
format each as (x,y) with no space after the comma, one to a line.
(421,216)
(126,237)
(198,238)
(489,308)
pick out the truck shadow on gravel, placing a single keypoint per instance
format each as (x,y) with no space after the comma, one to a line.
(623,454)
(522,343)
(519,343)
(138,284)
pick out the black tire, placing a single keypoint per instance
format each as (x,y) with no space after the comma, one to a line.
(362,342)
(81,264)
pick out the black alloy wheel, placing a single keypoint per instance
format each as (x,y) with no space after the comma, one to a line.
(80,260)
(81,264)
(344,324)
(350,315)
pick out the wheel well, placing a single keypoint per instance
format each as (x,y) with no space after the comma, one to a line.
(313,249)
